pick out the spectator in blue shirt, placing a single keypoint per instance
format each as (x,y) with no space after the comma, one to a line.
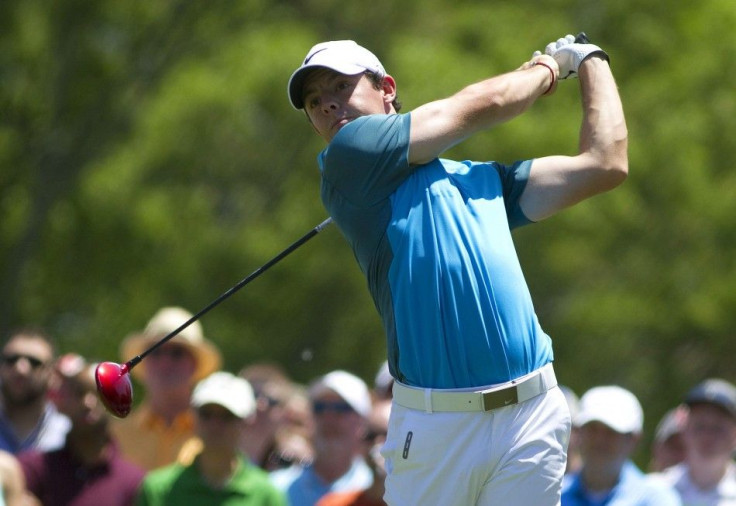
(610,422)
(341,404)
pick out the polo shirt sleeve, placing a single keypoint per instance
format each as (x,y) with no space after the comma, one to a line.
(368,159)
(513,181)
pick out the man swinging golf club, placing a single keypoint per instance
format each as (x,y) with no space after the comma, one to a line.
(477,417)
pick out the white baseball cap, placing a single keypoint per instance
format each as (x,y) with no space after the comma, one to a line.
(613,406)
(343,56)
(227,390)
(352,389)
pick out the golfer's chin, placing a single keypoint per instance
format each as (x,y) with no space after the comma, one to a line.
(336,128)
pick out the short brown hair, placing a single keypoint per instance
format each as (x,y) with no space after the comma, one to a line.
(377,81)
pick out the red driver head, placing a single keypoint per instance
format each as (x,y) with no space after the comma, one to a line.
(114,387)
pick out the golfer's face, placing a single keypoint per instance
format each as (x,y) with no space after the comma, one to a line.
(332,100)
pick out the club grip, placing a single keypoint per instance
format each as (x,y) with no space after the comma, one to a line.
(582,38)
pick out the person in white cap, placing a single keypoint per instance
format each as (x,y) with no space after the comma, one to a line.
(611,421)
(341,404)
(220,474)
(433,238)
(155,432)
(372,442)
(707,476)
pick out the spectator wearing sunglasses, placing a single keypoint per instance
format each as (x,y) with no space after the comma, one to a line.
(28,419)
(155,432)
(341,404)
(373,441)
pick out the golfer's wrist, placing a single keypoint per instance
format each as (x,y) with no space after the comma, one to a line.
(551,76)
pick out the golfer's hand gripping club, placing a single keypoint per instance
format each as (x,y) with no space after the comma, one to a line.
(570,52)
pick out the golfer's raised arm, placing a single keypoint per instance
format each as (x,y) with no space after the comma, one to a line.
(557,182)
(439,125)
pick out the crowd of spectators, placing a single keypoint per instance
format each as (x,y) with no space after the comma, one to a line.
(201,435)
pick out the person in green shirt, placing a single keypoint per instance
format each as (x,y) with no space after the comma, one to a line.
(220,475)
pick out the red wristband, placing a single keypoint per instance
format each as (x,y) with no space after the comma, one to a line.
(552,75)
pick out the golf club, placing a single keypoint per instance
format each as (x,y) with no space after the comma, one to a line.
(113,381)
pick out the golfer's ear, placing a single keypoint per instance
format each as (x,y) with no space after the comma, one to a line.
(388,87)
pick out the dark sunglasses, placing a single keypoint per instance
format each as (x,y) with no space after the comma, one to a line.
(320,407)
(11,360)
(173,352)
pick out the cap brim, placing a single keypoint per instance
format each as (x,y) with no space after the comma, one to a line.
(296,82)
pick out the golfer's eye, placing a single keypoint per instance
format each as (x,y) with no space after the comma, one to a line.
(312,102)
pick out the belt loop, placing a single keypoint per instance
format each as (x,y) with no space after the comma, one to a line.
(428,400)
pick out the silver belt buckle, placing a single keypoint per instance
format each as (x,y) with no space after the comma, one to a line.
(500,398)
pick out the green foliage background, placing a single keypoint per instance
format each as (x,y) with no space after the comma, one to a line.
(148,157)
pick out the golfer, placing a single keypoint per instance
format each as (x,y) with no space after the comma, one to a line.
(477,416)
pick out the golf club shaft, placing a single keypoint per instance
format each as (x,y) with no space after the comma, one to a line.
(316,230)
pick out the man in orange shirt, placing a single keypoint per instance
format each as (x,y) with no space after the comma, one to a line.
(154,433)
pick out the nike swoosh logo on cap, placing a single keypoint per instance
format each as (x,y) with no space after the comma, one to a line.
(313,54)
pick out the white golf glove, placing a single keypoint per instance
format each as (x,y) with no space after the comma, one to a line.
(570,54)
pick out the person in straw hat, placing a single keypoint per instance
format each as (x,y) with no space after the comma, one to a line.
(155,431)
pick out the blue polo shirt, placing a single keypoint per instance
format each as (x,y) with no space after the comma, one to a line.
(303,487)
(633,489)
(434,242)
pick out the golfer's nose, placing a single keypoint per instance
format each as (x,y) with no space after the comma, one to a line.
(329,104)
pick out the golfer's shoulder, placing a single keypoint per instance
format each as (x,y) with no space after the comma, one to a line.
(370,134)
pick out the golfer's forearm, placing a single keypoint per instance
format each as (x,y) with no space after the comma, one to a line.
(502,98)
(437,126)
(603,134)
